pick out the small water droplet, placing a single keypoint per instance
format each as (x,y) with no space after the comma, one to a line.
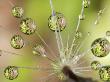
(39,50)
(95,65)
(17,12)
(82,17)
(11,72)
(17,42)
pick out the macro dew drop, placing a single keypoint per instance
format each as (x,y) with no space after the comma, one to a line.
(39,50)
(17,42)
(28,26)
(104,73)
(17,12)
(99,47)
(57,22)
(95,65)
(11,72)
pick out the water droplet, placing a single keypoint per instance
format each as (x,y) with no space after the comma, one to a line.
(95,65)
(82,17)
(104,73)
(39,50)
(28,26)
(78,34)
(17,12)
(86,3)
(17,42)
(57,22)
(108,33)
(11,72)
(99,47)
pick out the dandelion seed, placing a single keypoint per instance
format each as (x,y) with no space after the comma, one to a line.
(57,22)
(11,72)
(28,26)
(17,12)
(17,42)
(100,47)
(39,50)
(95,65)
(104,73)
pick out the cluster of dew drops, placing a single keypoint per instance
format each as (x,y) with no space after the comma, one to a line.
(100,47)
(29,27)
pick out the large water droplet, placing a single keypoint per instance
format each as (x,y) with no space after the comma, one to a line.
(28,26)
(99,47)
(57,22)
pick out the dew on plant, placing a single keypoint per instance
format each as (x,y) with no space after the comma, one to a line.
(17,12)
(11,72)
(28,26)
(67,62)
(104,73)
(99,47)
(95,65)
(17,42)
(57,22)
(39,50)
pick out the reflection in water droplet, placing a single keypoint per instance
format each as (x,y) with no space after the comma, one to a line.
(11,72)
(99,47)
